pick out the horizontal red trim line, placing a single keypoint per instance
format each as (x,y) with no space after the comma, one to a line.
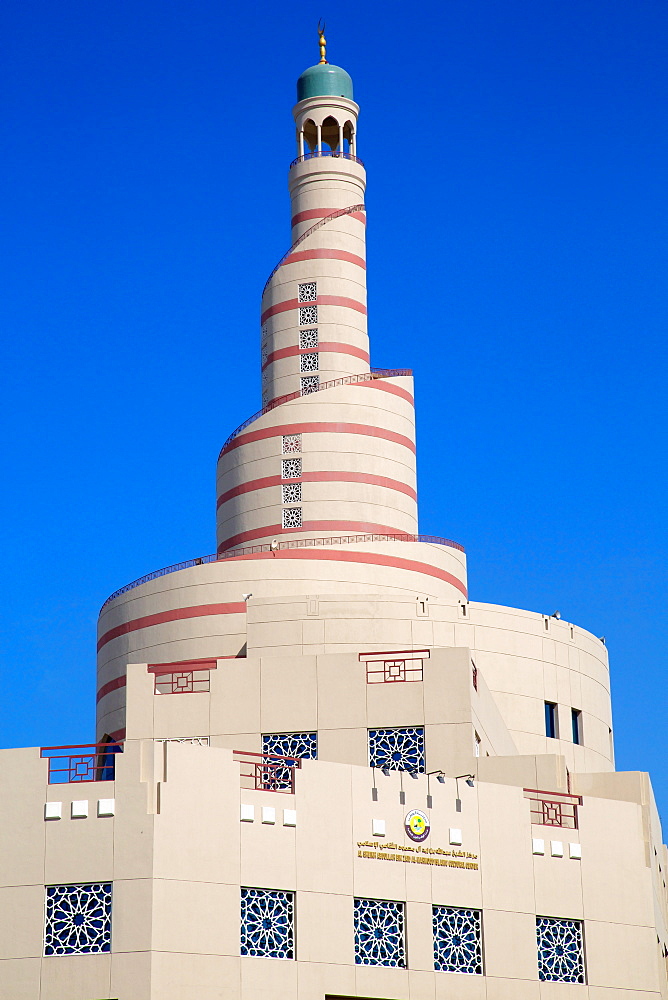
(170,668)
(322,254)
(318,477)
(178,614)
(320,428)
(325,346)
(368,558)
(270,530)
(322,213)
(382,384)
(323,300)
(117,682)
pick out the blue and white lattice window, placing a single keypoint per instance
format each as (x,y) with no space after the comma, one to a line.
(310,383)
(298,746)
(292,517)
(457,939)
(308,315)
(308,291)
(398,749)
(267,923)
(78,919)
(379,933)
(560,950)
(308,362)
(308,339)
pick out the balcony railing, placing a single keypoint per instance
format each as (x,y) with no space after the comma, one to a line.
(82,762)
(265,772)
(337,153)
(394,667)
(553,808)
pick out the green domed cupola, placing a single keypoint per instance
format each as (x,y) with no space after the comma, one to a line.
(323,79)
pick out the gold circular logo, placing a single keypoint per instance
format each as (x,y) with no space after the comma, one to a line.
(416,825)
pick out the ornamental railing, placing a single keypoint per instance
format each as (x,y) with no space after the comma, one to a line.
(337,153)
(369,376)
(266,772)
(403,666)
(553,808)
(296,543)
(81,762)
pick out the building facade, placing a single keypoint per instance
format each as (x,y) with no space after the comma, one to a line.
(321,771)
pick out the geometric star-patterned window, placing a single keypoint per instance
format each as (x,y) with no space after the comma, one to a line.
(299,746)
(291,468)
(308,292)
(379,933)
(397,749)
(308,362)
(308,339)
(308,315)
(78,919)
(560,950)
(267,923)
(457,939)
(292,517)
(292,444)
(310,383)
(292,493)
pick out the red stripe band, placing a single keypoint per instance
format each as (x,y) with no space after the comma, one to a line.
(323,300)
(320,428)
(299,255)
(324,347)
(322,213)
(171,616)
(319,477)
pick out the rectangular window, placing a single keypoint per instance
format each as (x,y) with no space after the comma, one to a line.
(379,933)
(576,721)
(398,749)
(267,923)
(560,950)
(551,728)
(308,315)
(307,291)
(308,362)
(308,339)
(292,517)
(292,493)
(457,939)
(78,919)
(291,468)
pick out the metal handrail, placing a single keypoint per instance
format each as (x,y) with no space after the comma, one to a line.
(327,152)
(297,543)
(373,373)
(321,222)
(93,762)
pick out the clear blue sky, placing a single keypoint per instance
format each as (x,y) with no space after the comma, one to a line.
(516,156)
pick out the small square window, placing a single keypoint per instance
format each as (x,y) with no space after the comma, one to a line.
(560,950)
(308,339)
(267,923)
(457,939)
(292,493)
(310,383)
(308,362)
(292,517)
(379,933)
(291,468)
(292,444)
(308,291)
(308,315)
(78,919)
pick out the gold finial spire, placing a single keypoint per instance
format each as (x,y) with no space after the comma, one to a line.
(322,42)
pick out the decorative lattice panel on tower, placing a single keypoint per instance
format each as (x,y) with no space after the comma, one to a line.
(291,468)
(308,362)
(292,493)
(292,517)
(264,355)
(267,923)
(292,444)
(308,291)
(379,933)
(457,939)
(560,950)
(308,315)
(78,919)
(308,339)
(310,383)
(397,749)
